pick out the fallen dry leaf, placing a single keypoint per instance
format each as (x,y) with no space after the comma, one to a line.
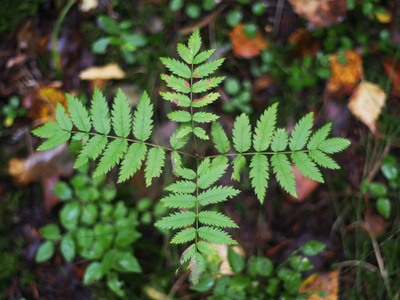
(87,5)
(244,46)
(263,82)
(222,250)
(366,103)
(344,76)
(321,13)
(305,44)
(111,71)
(44,105)
(328,282)
(393,72)
(16,167)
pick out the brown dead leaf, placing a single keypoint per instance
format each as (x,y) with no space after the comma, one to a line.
(382,15)
(44,105)
(305,44)
(304,185)
(263,82)
(16,167)
(328,282)
(366,103)
(393,72)
(244,46)
(344,76)
(111,71)
(321,13)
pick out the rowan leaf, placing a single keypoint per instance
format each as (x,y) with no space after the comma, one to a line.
(216,219)
(184,236)
(78,113)
(319,136)
(323,160)
(215,235)
(111,156)
(121,115)
(179,201)
(100,113)
(279,140)
(219,138)
(177,220)
(142,122)
(265,128)
(334,145)
(259,174)
(301,133)
(283,172)
(241,133)
(177,67)
(306,166)
(216,194)
(132,162)
(62,118)
(154,163)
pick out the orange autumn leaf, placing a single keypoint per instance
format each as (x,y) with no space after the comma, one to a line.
(328,282)
(244,46)
(43,108)
(304,43)
(344,76)
(321,13)
(393,72)
(304,185)
(366,103)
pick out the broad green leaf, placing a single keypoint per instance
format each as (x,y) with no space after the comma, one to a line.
(142,122)
(154,163)
(180,116)
(78,113)
(109,25)
(177,98)
(111,156)
(323,160)
(301,132)
(207,68)
(219,138)
(205,100)
(89,214)
(206,248)
(306,166)
(333,145)
(185,53)
(62,118)
(182,186)
(238,164)
(132,161)
(100,113)
(312,248)
(194,43)
(92,149)
(126,262)
(265,128)
(384,206)
(202,56)
(283,173)
(69,215)
(177,220)
(241,133)
(45,252)
(205,85)
(185,173)
(204,117)
(216,219)
(177,67)
(200,133)
(211,176)
(236,261)
(55,140)
(279,140)
(179,201)
(184,236)
(301,263)
(48,130)
(178,84)
(67,248)
(216,194)
(62,190)
(206,282)
(92,273)
(50,232)
(390,167)
(319,136)
(121,115)
(114,284)
(215,235)
(108,260)
(259,174)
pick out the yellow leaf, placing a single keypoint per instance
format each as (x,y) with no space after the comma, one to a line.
(328,282)
(111,71)
(244,46)
(366,103)
(382,15)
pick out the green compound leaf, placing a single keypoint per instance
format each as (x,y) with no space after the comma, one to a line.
(238,164)
(62,118)
(185,53)
(182,186)
(333,145)
(306,166)
(206,248)
(100,113)
(177,67)
(184,236)
(56,140)
(319,136)
(48,130)
(204,117)
(142,122)
(179,201)
(121,115)
(194,43)
(211,176)
(216,194)
(202,56)
(265,129)
(177,220)
(216,219)
(219,138)
(180,116)
(92,149)
(111,156)
(259,173)
(204,85)
(133,161)
(154,162)
(207,68)
(185,173)
(178,84)
(323,160)
(283,172)
(280,140)
(242,133)
(178,98)
(78,113)
(207,99)
(215,235)
(301,132)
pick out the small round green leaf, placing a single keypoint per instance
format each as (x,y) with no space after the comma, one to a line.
(234,17)
(114,284)
(258,8)
(92,273)
(62,190)
(250,30)
(232,86)
(205,283)
(390,167)
(377,189)
(108,260)
(69,215)
(126,262)
(51,232)
(68,248)
(384,207)
(108,24)
(264,266)
(175,5)
(100,46)
(193,10)
(45,252)
(236,261)
(239,282)
(89,214)
(312,248)
(300,263)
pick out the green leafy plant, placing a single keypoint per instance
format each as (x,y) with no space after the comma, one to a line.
(240,95)
(196,187)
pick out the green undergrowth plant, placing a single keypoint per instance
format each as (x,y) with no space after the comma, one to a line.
(122,138)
